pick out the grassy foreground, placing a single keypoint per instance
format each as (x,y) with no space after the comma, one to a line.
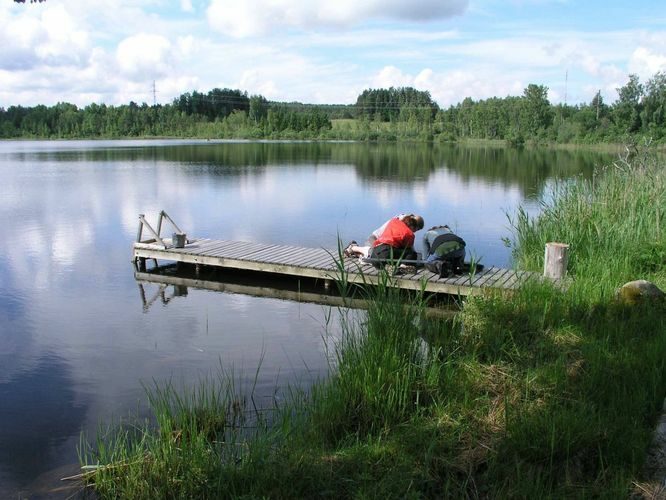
(542,394)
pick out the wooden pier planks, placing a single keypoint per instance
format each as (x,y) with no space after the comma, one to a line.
(319,263)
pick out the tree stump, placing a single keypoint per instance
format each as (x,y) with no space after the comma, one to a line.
(556,260)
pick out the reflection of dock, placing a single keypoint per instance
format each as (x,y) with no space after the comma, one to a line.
(317,264)
(181,284)
(257,288)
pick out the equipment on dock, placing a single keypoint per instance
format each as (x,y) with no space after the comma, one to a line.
(178,239)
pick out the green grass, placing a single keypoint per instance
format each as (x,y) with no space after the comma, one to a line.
(547,393)
(613,223)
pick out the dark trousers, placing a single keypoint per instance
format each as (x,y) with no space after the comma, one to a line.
(387,252)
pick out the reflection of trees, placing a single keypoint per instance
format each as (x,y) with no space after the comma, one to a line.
(213,153)
(39,412)
(526,168)
(394,162)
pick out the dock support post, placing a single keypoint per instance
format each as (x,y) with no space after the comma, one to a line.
(556,260)
(197,269)
(142,264)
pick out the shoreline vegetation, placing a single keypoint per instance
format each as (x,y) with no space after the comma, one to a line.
(385,115)
(545,393)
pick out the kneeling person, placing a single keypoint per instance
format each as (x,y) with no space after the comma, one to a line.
(444,251)
(397,239)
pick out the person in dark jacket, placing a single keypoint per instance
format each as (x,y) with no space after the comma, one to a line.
(444,251)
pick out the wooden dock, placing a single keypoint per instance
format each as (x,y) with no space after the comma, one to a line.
(315,263)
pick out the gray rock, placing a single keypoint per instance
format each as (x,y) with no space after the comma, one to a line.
(639,291)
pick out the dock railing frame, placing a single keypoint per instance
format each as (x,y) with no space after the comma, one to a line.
(156,234)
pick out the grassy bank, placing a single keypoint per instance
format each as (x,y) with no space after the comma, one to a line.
(546,393)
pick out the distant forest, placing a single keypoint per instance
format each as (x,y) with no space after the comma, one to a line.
(378,114)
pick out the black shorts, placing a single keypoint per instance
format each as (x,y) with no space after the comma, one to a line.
(387,252)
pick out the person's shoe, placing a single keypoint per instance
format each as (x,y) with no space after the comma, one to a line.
(348,250)
(407,269)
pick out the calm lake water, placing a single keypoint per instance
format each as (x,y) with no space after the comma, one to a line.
(79,337)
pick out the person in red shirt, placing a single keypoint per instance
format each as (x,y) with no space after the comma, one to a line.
(395,239)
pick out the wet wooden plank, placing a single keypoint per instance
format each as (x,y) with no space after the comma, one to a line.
(270,252)
(205,245)
(298,257)
(324,261)
(499,276)
(221,248)
(521,277)
(510,277)
(484,276)
(238,251)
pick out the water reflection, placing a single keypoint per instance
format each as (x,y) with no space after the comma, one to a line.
(40,411)
(160,285)
(527,168)
(161,293)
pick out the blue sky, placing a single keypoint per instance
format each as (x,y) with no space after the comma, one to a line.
(314,51)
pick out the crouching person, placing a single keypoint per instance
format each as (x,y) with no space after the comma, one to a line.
(444,251)
(396,242)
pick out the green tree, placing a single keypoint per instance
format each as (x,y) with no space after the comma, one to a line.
(626,112)
(258,108)
(393,103)
(537,112)
(653,115)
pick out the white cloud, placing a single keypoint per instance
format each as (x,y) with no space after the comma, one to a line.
(259,83)
(390,76)
(260,17)
(21,36)
(185,45)
(65,37)
(49,36)
(144,56)
(322,52)
(645,62)
(424,79)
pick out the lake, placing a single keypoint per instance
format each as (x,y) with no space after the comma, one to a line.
(80,338)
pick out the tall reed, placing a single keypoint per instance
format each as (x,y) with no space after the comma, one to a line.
(381,367)
(613,224)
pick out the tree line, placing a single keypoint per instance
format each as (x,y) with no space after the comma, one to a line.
(389,114)
(639,109)
(218,112)
(394,104)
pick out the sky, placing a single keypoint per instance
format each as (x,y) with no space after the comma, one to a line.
(324,52)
